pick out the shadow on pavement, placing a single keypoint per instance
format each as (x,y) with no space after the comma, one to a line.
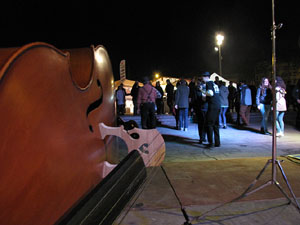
(240,127)
(166,126)
(233,215)
(181,140)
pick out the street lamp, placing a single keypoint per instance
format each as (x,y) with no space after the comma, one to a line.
(220,39)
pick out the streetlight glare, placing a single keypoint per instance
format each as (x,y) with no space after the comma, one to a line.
(220,39)
(156,75)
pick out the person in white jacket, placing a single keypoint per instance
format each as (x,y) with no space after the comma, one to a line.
(280,106)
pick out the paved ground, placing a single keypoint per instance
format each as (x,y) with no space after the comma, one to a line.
(236,142)
(206,178)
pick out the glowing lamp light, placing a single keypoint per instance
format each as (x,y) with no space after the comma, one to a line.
(216,49)
(156,75)
(220,39)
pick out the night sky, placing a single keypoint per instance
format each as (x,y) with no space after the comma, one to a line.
(175,39)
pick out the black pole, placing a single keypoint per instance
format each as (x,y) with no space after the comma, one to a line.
(274,143)
(220,60)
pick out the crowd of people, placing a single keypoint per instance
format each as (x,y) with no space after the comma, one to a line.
(211,103)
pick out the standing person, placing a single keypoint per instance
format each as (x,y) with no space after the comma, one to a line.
(237,104)
(296,96)
(182,104)
(231,95)
(159,100)
(146,104)
(280,105)
(253,96)
(120,99)
(176,111)
(246,103)
(290,101)
(263,102)
(217,80)
(213,99)
(201,110)
(224,104)
(192,97)
(170,95)
(134,93)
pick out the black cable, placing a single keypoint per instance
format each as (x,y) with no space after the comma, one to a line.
(181,206)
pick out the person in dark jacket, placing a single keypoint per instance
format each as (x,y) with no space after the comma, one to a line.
(192,97)
(182,103)
(170,96)
(134,93)
(176,110)
(120,94)
(159,101)
(214,106)
(237,104)
(263,102)
(201,110)
(296,96)
(253,96)
(231,95)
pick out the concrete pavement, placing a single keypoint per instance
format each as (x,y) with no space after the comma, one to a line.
(205,178)
(235,142)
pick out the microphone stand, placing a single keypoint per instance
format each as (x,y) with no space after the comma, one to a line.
(274,161)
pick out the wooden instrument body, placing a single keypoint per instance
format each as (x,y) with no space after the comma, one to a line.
(149,143)
(51,103)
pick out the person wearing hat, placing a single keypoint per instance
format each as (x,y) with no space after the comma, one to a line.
(212,117)
(146,104)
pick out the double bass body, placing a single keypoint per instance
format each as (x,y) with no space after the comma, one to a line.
(51,103)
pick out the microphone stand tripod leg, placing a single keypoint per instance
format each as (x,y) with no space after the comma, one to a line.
(288,185)
(181,206)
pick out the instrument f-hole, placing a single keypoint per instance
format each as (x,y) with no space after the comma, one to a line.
(95,104)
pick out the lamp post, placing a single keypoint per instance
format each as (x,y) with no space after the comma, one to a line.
(220,39)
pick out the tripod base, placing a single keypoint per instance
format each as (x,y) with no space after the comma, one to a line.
(250,189)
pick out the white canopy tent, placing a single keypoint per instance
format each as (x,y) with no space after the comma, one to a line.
(126,83)
(214,75)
